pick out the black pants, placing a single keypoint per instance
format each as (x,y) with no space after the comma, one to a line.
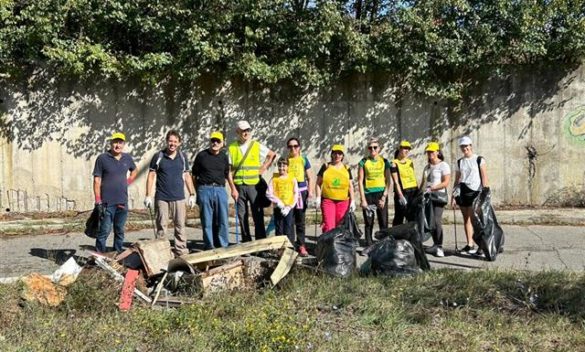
(284,224)
(407,212)
(437,233)
(249,194)
(381,213)
(299,215)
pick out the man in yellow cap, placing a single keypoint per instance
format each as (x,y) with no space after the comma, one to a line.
(170,168)
(112,173)
(210,171)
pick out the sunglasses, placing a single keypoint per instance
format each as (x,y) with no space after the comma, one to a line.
(291,146)
(247,130)
(215,140)
(373,147)
(336,152)
(464,146)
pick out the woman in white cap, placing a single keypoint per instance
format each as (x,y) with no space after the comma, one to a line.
(470,178)
(336,189)
(436,177)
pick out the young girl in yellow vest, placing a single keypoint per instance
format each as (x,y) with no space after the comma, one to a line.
(405,185)
(334,182)
(283,191)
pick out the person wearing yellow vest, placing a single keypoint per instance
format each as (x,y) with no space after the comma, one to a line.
(300,168)
(283,192)
(248,160)
(334,184)
(405,185)
(374,183)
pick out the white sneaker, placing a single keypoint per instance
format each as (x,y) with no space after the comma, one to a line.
(439,252)
(473,250)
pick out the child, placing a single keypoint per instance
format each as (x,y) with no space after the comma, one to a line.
(283,191)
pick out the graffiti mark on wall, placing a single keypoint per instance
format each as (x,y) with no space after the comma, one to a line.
(575,125)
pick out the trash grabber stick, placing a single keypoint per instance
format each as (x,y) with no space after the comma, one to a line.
(455,228)
(237,225)
(152,221)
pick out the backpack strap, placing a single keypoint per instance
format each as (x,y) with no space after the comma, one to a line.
(158,160)
(181,154)
(479,157)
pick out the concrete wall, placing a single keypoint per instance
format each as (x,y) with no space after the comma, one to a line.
(51,131)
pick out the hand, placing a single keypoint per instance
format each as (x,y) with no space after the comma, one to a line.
(428,189)
(402,201)
(235,195)
(280,205)
(364,204)
(100,208)
(148,202)
(382,202)
(192,201)
(456,191)
(285,210)
(317,202)
(262,170)
(351,205)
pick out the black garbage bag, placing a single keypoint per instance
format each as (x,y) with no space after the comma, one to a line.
(336,249)
(392,257)
(93,224)
(409,232)
(487,233)
(424,214)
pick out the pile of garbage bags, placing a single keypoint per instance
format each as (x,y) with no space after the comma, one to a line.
(336,249)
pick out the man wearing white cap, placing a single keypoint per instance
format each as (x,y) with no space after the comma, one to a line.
(170,168)
(210,171)
(110,187)
(470,178)
(248,160)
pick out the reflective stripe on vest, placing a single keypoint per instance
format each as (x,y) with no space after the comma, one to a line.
(374,173)
(406,173)
(296,168)
(336,183)
(249,172)
(284,189)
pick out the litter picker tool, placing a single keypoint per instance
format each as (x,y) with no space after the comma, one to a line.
(237,225)
(152,221)
(455,228)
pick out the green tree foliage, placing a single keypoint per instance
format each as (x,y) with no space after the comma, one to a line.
(428,47)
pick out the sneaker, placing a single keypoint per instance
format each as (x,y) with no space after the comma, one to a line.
(479,253)
(439,252)
(468,249)
(474,250)
(431,250)
(303,251)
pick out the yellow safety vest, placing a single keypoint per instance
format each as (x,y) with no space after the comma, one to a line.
(374,173)
(249,171)
(336,183)
(284,189)
(296,168)
(406,173)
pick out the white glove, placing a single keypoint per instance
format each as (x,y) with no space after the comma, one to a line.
(148,202)
(317,202)
(285,210)
(456,191)
(280,205)
(402,201)
(191,202)
(351,206)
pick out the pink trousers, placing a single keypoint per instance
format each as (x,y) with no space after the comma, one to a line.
(333,212)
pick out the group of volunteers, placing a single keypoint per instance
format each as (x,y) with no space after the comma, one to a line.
(289,191)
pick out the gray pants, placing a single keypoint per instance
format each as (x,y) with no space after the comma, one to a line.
(177,210)
(249,194)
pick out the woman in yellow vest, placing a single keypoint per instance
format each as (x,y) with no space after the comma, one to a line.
(374,184)
(283,191)
(405,185)
(334,185)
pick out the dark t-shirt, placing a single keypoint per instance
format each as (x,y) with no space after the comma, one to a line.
(210,169)
(114,175)
(170,184)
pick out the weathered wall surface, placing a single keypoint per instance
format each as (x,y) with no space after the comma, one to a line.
(529,126)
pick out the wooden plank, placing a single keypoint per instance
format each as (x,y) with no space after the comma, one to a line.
(100,260)
(127,292)
(265,244)
(159,288)
(225,278)
(284,265)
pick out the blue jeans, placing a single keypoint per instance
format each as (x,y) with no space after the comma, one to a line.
(117,216)
(213,209)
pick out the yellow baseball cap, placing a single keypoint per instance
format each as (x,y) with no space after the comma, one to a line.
(217,135)
(405,144)
(118,135)
(338,148)
(433,147)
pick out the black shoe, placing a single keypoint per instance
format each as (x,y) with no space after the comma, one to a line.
(468,249)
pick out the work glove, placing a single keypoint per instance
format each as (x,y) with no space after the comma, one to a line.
(191,202)
(317,202)
(101,209)
(370,210)
(148,202)
(285,210)
(402,201)
(456,191)
(351,206)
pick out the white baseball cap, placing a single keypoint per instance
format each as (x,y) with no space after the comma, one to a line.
(243,125)
(465,140)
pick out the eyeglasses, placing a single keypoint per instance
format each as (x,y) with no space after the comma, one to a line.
(215,140)
(373,147)
(291,146)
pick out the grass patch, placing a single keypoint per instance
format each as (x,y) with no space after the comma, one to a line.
(438,311)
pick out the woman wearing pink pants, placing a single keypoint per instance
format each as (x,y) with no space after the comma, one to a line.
(334,185)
